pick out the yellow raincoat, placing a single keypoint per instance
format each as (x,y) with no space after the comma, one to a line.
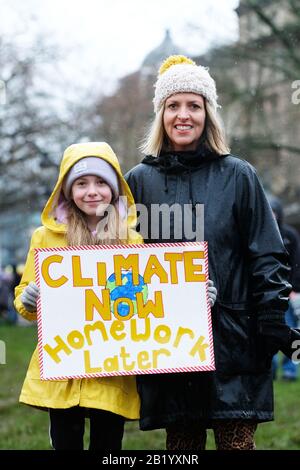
(115,394)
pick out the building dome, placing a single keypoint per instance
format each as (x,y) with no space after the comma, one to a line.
(154,59)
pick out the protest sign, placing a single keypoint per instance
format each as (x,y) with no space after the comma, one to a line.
(117,310)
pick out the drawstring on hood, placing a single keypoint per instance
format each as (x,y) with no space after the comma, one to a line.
(191,198)
(166,177)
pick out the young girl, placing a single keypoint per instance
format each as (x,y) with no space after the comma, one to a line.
(89,181)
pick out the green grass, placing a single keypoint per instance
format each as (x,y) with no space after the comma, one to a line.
(23,427)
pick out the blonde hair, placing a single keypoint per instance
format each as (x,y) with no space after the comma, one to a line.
(112,229)
(213,135)
(154,139)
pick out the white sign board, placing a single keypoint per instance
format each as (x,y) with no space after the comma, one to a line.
(120,310)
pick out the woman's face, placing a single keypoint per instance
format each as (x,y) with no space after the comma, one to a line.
(184,120)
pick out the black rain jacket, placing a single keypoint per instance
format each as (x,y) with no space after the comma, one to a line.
(248,264)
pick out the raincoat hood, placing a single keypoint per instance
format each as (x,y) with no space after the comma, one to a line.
(71,155)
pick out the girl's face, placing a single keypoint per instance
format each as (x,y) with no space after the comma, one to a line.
(91,195)
(184,120)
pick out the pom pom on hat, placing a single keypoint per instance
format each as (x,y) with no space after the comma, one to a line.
(91,166)
(174,60)
(179,74)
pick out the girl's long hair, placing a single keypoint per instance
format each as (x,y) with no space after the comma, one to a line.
(111,230)
(213,134)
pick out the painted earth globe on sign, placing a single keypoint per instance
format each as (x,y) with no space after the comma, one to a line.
(127,290)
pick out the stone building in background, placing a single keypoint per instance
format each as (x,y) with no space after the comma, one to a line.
(255,79)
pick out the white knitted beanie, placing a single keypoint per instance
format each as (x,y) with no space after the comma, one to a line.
(178,74)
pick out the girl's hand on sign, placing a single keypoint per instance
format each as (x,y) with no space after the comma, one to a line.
(29,297)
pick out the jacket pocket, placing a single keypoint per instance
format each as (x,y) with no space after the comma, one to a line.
(235,340)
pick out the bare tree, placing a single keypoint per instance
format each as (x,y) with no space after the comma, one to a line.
(255,78)
(281,22)
(124,116)
(33,133)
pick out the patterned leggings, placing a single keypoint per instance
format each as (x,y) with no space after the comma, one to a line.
(229,435)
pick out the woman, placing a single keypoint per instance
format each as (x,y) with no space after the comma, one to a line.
(188,162)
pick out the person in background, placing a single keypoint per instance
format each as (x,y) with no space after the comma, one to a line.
(187,162)
(291,240)
(4,296)
(14,281)
(89,181)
